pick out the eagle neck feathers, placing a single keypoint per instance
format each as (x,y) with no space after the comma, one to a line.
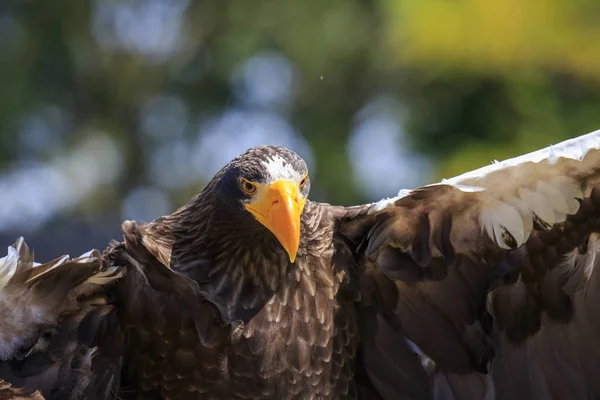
(239,265)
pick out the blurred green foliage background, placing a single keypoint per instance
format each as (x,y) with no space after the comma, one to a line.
(115,110)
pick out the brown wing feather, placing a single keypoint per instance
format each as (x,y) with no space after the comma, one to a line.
(177,343)
(52,326)
(505,272)
(118,326)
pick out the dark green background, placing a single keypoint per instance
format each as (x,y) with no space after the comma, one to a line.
(114,99)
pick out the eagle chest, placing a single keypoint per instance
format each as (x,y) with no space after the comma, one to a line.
(300,345)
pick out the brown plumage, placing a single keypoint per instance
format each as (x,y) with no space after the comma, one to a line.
(485,285)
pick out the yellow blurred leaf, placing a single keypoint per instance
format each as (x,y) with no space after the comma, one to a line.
(497,36)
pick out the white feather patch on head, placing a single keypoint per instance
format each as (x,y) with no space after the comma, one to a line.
(278,168)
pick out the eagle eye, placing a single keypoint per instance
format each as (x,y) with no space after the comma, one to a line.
(247,186)
(303,181)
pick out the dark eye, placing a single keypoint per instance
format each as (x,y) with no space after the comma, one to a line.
(247,186)
(303,181)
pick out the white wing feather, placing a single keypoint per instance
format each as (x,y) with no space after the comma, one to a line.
(542,186)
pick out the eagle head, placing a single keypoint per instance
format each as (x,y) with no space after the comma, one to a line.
(270,184)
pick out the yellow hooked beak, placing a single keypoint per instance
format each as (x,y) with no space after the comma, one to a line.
(278,207)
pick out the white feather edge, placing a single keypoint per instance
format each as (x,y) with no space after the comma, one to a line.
(551,200)
(575,149)
(9,264)
(21,315)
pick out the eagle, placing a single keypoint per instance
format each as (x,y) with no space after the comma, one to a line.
(482,286)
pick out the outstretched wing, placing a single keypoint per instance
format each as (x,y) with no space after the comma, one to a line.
(53,333)
(496,267)
(120,325)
